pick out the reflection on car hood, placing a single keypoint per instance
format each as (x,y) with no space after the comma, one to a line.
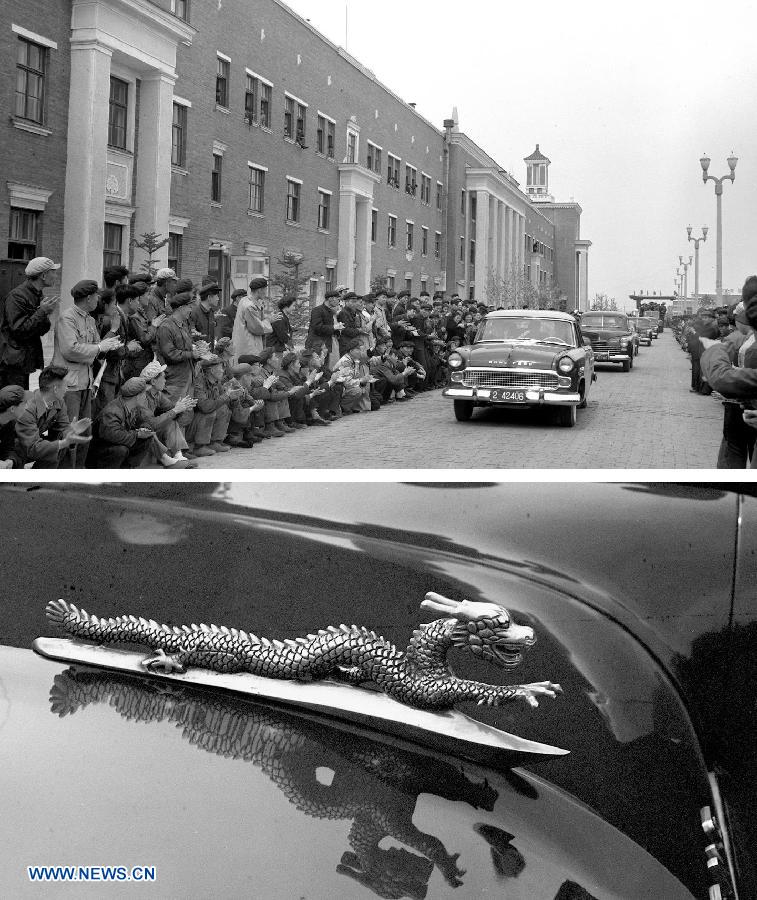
(508,353)
(212,790)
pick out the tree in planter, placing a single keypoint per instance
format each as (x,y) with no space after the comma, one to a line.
(150,244)
(603,303)
(288,281)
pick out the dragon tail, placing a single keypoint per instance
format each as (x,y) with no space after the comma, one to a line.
(123,629)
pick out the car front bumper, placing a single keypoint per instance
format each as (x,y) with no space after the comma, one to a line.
(611,356)
(534,397)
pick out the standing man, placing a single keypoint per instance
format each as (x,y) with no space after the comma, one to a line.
(24,318)
(77,346)
(203,315)
(251,325)
(351,318)
(179,353)
(228,315)
(324,328)
(280,338)
(157,302)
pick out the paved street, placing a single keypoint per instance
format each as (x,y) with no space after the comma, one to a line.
(646,419)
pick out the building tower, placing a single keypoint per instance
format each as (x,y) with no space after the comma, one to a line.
(537,177)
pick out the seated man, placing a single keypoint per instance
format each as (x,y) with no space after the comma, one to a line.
(43,431)
(352,370)
(297,387)
(391,376)
(417,378)
(11,398)
(242,431)
(165,413)
(325,401)
(124,438)
(207,432)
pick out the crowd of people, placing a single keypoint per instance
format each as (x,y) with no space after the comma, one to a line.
(721,344)
(155,372)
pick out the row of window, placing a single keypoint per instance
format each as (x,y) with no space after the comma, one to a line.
(391,235)
(257,111)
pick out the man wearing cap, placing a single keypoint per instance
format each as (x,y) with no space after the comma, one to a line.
(204,310)
(124,438)
(115,275)
(242,427)
(158,298)
(127,304)
(251,325)
(164,413)
(207,432)
(257,385)
(177,350)
(703,326)
(280,338)
(299,389)
(143,327)
(352,370)
(24,318)
(351,317)
(11,399)
(77,345)
(225,323)
(43,431)
(276,410)
(324,327)
(381,323)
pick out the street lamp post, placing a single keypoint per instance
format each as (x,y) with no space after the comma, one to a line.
(705,164)
(685,267)
(697,242)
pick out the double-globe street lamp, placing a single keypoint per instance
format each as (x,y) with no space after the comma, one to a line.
(697,242)
(705,164)
(685,267)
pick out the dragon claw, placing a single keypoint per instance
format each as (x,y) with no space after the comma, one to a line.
(162,662)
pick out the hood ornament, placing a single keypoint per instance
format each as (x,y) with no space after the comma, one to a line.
(418,677)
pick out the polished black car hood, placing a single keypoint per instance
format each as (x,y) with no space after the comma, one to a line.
(506,353)
(605,334)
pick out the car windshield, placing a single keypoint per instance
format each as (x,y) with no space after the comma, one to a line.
(604,321)
(527,328)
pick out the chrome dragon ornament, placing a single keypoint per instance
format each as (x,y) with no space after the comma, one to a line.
(419,676)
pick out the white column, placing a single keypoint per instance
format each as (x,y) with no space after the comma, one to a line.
(482,243)
(510,262)
(520,232)
(362,247)
(491,269)
(87,143)
(466,248)
(501,242)
(345,268)
(153,188)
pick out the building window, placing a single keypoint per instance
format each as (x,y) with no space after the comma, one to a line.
(409,285)
(215,180)
(112,243)
(462,203)
(473,253)
(179,136)
(351,147)
(330,274)
(438,245)
(330,139)
(301,123)
(324,209)
(374,225)
(373,160)
(409,236)
(462,248)
(288,117)
(117,113)
(424,241)
(320,135)
(22,236)
(424,284)
(393,171)
(252,89)
(174,252)
(439,194)
(265,105)
(30,81)
(426,190)
(411,185)
(390,282)
(392,232)
(222,83)
(257,189)
(180,8)
(293,200)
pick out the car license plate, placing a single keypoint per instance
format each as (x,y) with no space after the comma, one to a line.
(508,396)
(603,356)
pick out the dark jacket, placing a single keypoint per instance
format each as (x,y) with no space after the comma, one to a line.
(118,424)
(225,323)
(38,427)
(281,336)
(352,319)
(138,328)
(175,348)
(722,376)
(204,321)
(321,330)
(22,324)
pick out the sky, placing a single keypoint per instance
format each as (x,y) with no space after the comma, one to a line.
(623,100)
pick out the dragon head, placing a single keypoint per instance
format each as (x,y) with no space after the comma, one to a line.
(486,629)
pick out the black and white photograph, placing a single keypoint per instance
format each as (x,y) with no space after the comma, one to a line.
(378,690)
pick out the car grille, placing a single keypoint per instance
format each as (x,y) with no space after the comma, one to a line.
(507,378)
(605,346)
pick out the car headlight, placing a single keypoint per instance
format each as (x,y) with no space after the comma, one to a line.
(565,364)
(455,361)
(624,341)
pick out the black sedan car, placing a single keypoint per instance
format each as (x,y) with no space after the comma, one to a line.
(635,781)
(523,358)
(611,336)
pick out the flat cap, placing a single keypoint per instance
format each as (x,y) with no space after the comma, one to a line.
(84,288)
(182,299)
(209,361)
(11,395)
(164,274)
(39,265)
(241,369)
(288,359)
(258,284)
(133,387)
(184,284)
(152,370)
(210,289)
(250,359)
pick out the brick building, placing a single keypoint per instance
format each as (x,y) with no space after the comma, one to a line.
(241,133)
